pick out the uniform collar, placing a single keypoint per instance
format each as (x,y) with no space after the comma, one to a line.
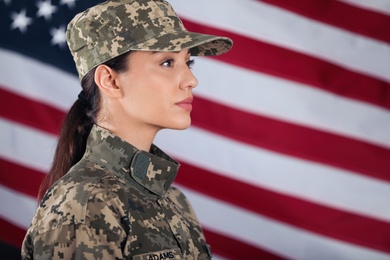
(153,170)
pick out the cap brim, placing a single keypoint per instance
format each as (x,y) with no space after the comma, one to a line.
(199,44)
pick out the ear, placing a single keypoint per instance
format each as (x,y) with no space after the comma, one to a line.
(107,81)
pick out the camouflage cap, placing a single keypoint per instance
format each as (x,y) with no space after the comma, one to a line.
(112,28)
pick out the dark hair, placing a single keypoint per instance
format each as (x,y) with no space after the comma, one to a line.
(77,126)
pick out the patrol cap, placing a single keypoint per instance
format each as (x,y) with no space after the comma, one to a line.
(114,27)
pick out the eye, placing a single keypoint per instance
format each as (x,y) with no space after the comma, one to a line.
(190,63)
(167,63)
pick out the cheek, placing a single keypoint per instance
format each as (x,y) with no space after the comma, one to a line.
(153,92)
(147,97)
(157,92)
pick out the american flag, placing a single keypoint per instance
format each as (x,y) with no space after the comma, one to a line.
(288,156)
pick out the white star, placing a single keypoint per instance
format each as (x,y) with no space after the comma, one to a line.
(20,21)
(45,9)
(70,3)
(58,36)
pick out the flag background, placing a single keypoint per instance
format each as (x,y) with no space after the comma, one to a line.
(288,156)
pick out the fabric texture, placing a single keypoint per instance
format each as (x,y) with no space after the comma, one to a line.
(116,203)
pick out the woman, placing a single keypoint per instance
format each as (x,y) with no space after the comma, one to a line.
(110,194)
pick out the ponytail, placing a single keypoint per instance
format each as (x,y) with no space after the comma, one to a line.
(77,126)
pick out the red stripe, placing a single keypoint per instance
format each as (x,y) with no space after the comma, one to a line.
(266,58)
(340,14)
(235,249)
(291,139)
(345,226)
(279,136)
(20,178)
(11,234)
(342,225)
(29,112)
(310,216)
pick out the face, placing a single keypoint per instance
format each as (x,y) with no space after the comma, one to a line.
(157,89)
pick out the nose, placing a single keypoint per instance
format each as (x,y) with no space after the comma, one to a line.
(188,79)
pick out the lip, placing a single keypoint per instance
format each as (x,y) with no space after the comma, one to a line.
(186,103)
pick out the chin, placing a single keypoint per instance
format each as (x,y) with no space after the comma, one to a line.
(181,125)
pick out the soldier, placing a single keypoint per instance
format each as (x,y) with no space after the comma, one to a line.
(110,194)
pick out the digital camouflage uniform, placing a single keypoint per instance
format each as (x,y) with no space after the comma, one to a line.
(116,203)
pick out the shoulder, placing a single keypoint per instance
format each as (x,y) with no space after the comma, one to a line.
(174,193)
(181,201)
(88,201)
(83,192)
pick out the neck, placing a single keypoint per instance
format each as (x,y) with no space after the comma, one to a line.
(134,131)
(138,136)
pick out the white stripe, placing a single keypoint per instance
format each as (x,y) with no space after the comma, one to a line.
(286,240)
(284,174)
(38,81)
(16,207)
(286,29)
(258,230)
(257,93)
(26,146)
(380,6)
(296,103)
(287,175)
(217,257)
(310,181)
